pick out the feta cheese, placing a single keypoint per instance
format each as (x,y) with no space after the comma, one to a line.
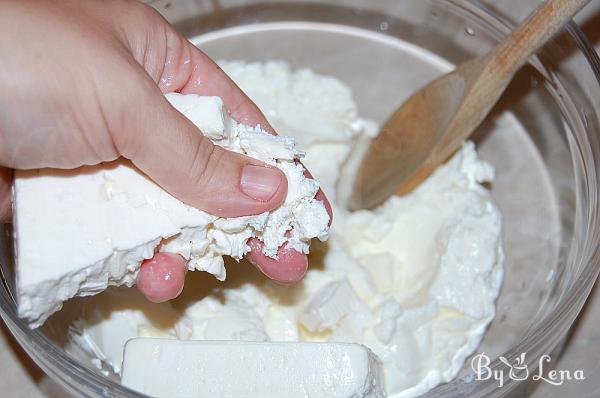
(79,231)
(207,113)
(247,369)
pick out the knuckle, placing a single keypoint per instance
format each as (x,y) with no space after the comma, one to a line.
(126,142)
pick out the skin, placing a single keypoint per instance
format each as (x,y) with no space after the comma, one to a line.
(84,84)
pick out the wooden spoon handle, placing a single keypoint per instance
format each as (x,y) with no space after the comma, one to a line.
(536,30)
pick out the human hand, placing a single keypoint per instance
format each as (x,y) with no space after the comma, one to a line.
(83,83)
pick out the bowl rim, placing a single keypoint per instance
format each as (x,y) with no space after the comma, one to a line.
(78,377)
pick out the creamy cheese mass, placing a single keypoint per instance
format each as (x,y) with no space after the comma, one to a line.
(414,280)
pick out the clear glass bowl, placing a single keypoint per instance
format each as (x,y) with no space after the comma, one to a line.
(547,160)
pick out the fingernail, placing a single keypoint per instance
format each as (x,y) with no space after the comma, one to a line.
(260,183)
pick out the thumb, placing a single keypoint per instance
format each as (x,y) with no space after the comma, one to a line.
(171,150)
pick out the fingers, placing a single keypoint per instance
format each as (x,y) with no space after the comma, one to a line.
(5,194)
(161,278)
(172,151)
(289,267)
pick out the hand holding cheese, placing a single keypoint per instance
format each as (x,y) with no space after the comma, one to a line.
(84,84)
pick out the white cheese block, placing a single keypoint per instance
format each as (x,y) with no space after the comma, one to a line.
(174,369)
(79,231)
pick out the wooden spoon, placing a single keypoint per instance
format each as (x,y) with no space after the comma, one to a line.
(434,122)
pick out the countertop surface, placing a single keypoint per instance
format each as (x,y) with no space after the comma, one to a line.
(21,378)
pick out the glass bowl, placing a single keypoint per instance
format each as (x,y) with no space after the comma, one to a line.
(542,138)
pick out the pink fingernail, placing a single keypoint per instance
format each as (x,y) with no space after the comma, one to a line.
(260,183)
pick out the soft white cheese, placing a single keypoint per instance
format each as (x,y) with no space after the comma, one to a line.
(79,231)
(414,280)
(335,306)
(246,369)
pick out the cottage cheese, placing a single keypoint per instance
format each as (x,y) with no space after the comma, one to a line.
(79,231)
(414,280)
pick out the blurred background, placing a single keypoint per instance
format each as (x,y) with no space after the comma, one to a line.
(21,378)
